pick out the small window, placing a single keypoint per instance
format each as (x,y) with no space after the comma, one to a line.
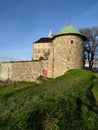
(72,41)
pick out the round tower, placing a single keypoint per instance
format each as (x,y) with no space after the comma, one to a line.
(66,51)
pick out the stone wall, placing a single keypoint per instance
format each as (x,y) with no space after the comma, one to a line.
(22,71)
(66,53)
(5,71)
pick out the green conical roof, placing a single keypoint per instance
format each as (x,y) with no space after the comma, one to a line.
(69,29)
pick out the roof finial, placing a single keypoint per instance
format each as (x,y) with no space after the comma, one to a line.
(50,35)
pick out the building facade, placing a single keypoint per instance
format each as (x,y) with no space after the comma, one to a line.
(42,47)
(53,56)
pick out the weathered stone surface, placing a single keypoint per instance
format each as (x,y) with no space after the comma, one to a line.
(66,52)
(22,71)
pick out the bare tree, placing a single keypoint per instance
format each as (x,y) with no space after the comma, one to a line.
(91,45)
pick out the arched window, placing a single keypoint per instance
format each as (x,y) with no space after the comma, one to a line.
(72,41)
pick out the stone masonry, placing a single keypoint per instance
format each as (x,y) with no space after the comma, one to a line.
(66,52)
(22,71)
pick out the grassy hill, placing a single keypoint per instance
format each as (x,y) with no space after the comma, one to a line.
(68,102)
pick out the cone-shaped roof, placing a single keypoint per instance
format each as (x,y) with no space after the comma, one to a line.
(69,29)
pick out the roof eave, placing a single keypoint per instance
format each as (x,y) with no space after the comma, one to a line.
(80,35)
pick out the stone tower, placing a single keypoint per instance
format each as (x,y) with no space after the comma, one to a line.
(66,51)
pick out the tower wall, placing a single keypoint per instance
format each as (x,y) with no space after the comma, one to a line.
(66,53)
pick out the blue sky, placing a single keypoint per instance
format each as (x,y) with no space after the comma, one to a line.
(24,21)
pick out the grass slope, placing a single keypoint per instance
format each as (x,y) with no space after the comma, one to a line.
(65,103)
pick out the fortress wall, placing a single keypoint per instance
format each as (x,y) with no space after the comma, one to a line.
(25,71)
(22,71)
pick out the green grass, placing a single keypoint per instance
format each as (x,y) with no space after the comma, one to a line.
(68,102)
